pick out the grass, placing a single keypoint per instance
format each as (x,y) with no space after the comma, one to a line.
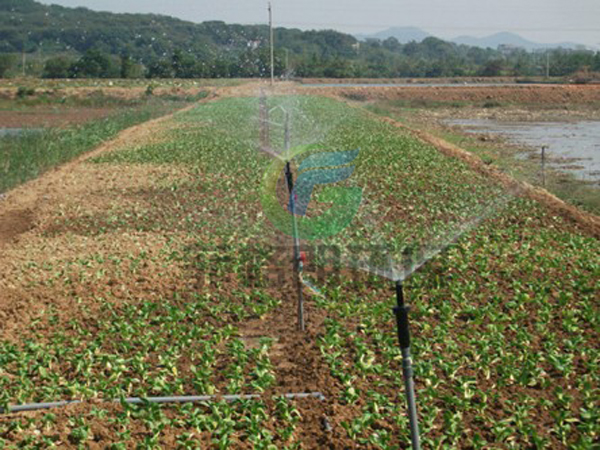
(27,156)
(163,284)
(99,98)
(42,84)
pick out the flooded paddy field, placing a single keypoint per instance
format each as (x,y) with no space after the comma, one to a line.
(570,146)
(8,132)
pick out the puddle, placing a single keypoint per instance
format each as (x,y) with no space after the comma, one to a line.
(17,131)
(571,146)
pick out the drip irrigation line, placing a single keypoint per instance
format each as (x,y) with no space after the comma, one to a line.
(144,400)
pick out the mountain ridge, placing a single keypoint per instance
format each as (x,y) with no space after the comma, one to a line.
(410,33)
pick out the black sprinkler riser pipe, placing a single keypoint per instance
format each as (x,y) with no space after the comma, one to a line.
(288,177)
(401,312)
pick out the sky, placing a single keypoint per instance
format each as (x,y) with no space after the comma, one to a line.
(544,21)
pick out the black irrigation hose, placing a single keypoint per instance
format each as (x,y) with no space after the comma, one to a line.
(141,400)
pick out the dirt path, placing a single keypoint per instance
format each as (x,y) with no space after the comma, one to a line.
(29,213)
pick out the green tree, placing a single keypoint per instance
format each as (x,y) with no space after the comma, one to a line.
(596,64)
(184,65)
(493,68)
(57,67)
(160,68)
(392,44)
(94,64)
(338,68)
(6,63)
(127,66)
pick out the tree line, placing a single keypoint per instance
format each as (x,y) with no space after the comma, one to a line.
(372,61)
(79,43)
(256,63)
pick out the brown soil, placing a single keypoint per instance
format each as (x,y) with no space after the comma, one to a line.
(50,117)
(33,232)
(433,117)
(39,211)
(81,190)
(14,223)
(554,95)
(452,80)
(114,92)
(38,194)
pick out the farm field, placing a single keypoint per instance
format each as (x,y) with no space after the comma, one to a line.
(149,268)
(42,128)
(437,111)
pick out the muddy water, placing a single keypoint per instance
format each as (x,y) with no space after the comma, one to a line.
(16,131)
(572,146)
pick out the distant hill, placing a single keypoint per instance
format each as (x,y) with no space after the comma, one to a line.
(26,24)
(403,34)
(511,39)
(407,34)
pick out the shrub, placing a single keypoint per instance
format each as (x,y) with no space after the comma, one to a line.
(23,92)
(57,67)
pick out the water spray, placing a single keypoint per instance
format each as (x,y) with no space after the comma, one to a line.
(413,258)
(385,262)
(299,257)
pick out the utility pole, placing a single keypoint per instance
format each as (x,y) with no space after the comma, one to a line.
(547,64)
(23,58)
(271,42)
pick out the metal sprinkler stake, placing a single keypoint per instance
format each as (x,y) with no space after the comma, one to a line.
(263,119)
(297,255)
(401,313)
(544,148)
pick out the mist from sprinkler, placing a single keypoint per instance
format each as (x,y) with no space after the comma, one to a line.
(415,256)
(396,267)
(266,125)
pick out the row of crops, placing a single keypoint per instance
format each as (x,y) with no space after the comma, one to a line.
(173,287)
